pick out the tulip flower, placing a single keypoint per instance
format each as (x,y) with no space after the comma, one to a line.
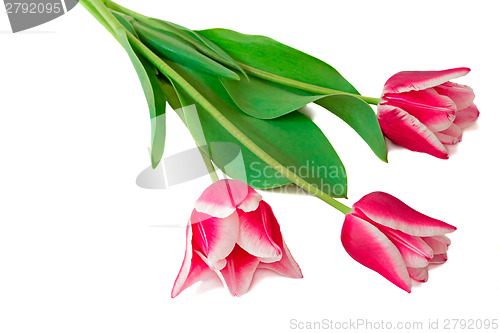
(233,232)
(424,112)
(243,97)
(389,237)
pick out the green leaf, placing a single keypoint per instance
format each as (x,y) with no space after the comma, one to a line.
(360,116)
(154,96)
(266,100)
(173,47)
(293,140)
(266,54)
(202,44)
(125,20)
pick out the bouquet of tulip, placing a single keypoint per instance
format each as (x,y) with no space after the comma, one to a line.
(246,91)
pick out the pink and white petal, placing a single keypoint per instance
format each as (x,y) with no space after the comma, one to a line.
(443,239)
(287,266)
(435,111)
(251,202)
(419,274)
(439,259)
(367,245)
(453,131)
(391,212)
(215,237)
(193,268)
(461,95)
(466,116)
(255,234)
(239,271)
(446,139)
(420,80)
(404,129)
(222,197)
(437,245)
(415,252)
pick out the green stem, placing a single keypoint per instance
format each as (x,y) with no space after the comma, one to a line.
(125,10)
(91,9)
(209,165)
(106,15)
(230,127)
(249,69)
(302,85)
(169,72)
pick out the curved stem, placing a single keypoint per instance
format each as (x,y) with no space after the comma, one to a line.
(169,72)
(249,69)
(105,13)
(209,165)
(231,128)
(302,85)
(113,5)
(91,9)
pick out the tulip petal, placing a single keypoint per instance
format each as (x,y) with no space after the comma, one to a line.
(391,212)
(461,95)
(466,116)
(406,130)
(443,239)
(251,202)
(371,248)
(222,197)
(420,80)
(435,111)
(287,266)
(193,268)
(239,271)
(255,234)
(446,139)
(437,245)
(439,259)
(415,251)
(419,274)
(453,131)
(215,237)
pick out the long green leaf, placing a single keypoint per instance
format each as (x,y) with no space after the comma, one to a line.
(199,42)
(268,100)
(293,140)
(154,96)
(266,54)
(174,48)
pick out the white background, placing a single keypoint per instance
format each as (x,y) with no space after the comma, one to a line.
(83,249)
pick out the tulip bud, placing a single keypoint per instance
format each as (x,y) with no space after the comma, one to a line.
(389,237)
(424,112)
(233,232)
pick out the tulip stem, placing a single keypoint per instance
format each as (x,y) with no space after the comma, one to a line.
(169,72)
(302,85)
(209,165)
(249,69)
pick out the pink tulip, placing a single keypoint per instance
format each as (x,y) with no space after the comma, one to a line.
(232,232)
(424,112)
(389,237)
